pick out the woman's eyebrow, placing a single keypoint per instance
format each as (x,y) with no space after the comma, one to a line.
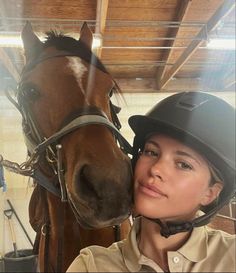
(188,155)
(178,152)
(152,142)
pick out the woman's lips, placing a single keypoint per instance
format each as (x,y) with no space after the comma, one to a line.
(151,190)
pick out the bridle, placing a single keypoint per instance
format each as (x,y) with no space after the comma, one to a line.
(38,145)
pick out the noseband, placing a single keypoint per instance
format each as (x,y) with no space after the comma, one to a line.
(37,144)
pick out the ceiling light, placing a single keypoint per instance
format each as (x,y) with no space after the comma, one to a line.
(13,40)
(221,44)
(10,41)
(97,40)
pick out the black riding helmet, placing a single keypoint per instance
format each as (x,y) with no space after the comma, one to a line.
(205,123)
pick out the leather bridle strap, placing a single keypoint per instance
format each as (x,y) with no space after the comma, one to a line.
(84,121)
(43,181)
(61,239)
(46,56)
(116,229)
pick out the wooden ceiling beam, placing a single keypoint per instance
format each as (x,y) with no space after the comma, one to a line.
(101,16)
(184,6)
(5,59)
(223,11)
(148,85)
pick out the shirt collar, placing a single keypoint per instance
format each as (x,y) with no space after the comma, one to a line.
(130,249)
(196,241)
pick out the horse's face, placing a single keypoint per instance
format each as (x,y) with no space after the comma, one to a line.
(97,173)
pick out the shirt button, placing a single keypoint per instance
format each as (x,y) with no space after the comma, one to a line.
(176,260)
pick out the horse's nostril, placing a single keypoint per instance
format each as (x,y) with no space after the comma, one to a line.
(102,190)
(84,182)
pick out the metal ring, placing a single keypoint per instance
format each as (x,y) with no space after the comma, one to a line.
(43,229)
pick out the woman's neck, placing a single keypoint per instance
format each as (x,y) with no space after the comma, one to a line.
(154,246)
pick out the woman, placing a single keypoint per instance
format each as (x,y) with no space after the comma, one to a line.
(184,170)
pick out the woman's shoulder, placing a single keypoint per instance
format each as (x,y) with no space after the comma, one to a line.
(96,250)
(97,258)
(220,236)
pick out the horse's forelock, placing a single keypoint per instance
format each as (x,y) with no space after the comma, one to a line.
(67,43)
(60,41)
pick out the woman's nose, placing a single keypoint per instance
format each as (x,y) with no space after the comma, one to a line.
(158,168)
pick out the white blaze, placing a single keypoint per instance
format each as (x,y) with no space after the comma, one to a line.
(78,68)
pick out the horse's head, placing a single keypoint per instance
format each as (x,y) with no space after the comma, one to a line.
(63,86)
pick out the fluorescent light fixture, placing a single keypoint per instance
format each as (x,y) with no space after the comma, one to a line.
(221,44)
(15,40)
(97,42)
(10,41)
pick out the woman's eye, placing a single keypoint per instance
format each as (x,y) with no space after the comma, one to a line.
(184,165)
(150,153)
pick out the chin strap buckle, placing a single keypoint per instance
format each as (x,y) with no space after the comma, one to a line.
(171,228)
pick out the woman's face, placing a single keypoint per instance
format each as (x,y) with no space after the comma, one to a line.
(171,180)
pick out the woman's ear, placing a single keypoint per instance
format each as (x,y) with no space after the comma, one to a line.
(212,193)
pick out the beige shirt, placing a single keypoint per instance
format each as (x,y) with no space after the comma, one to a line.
(207,250)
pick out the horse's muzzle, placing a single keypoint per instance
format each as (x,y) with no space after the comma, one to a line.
(102,197)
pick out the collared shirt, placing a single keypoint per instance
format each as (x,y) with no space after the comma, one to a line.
(207,250)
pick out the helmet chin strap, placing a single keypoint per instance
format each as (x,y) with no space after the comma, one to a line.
(171,228)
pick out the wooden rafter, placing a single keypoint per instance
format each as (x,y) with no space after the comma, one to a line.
(101,16)
(223,11)
(174,33)
(131,85)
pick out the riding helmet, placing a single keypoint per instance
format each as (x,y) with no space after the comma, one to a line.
(203,122)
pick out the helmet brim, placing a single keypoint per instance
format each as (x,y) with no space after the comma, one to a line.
(142,126)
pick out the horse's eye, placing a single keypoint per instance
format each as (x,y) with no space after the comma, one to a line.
(29,92)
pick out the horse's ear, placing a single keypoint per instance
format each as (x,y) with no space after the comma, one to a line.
(86,35)
(30,41)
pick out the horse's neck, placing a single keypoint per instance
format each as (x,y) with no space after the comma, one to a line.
(62,218)
(64,231)
(76,237)
(61,215)
(66,237)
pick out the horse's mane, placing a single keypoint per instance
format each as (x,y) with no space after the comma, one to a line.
(67,43)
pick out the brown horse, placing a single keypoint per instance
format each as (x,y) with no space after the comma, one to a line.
(68,124)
